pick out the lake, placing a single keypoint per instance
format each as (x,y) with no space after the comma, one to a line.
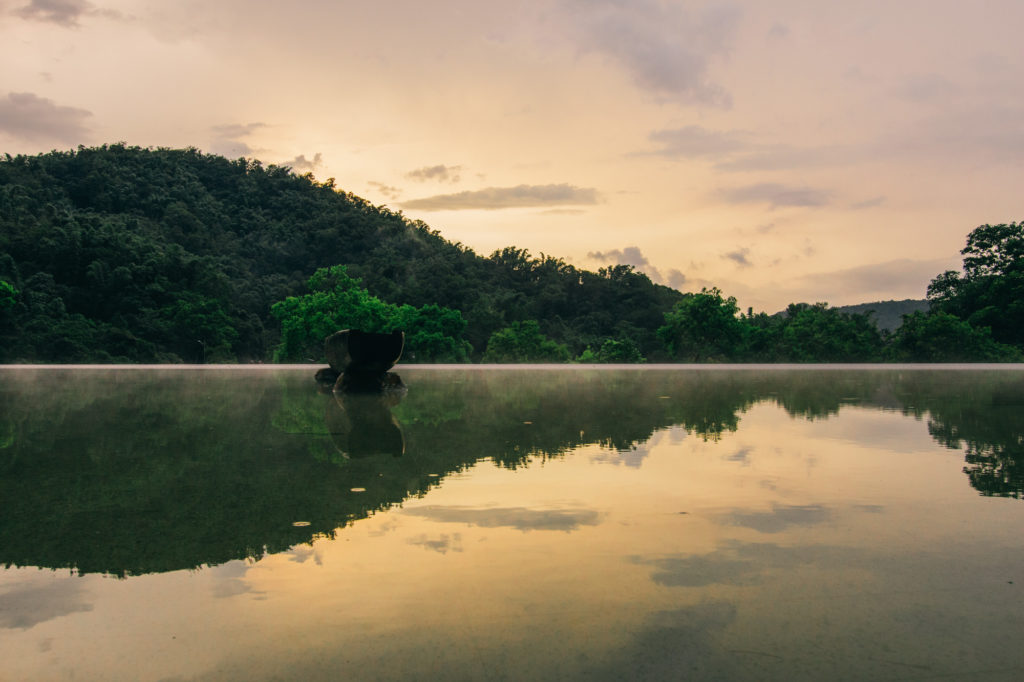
(560,523)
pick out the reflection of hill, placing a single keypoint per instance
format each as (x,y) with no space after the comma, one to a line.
(130,472)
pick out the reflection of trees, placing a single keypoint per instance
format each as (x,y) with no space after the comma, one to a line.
(987,425)
(130,472)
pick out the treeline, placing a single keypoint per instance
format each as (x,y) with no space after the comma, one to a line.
(126,254)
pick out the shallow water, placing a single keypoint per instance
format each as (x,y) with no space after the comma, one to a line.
(656,523)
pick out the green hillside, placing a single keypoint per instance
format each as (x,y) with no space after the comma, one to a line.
(128,254)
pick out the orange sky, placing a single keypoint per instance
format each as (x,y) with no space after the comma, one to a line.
(802,151)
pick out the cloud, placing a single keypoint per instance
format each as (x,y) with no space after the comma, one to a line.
(387,190)
(519,518)
(632,255)
(64,13)
(61,12)
(896,278)
(739,256)
(696,141)
(665,47)
(439,173)
(868,203)
(738,151)
(778,31)
(37,119)
(926,87)
(521,196)
(676,279)
(301,164)
(227,139)
(774,194)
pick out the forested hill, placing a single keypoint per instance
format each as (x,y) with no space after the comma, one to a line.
(122,253)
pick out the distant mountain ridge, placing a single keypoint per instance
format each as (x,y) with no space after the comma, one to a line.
(888,314)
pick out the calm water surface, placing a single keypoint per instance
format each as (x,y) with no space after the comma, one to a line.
(235,524)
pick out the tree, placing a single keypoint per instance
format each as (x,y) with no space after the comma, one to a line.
(7,295)
(703,327)
(613,351)
(339,301)
(991,291)
(817,333)
(523,342)
(941,337)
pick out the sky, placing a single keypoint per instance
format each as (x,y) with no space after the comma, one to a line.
(798,150)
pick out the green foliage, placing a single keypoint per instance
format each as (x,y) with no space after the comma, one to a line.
(7,295)
(339,301)
(817,333)
(703,327)
(991,291)
(941,337)
(613,352)
(523,342)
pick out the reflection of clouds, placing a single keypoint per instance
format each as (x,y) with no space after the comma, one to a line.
(442,545)
(673,645)
(634,456)
(780,518)
(519,518)
(25,605)
(232,587)
(742,455)
(300,554)
(745,563)
(230,580)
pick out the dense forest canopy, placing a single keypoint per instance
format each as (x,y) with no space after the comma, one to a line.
(129,254)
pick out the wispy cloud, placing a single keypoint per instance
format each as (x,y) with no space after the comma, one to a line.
(228,142)
(739,256)
(774,194)
(389,191)
(29,117)
(695,141)
(665,47)
(900,278)
(438,173)
(868,203)
(520,196)
(62,12)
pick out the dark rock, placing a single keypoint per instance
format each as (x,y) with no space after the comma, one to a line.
(363,352)
(326,378)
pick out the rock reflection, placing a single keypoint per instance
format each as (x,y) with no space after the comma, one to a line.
(362,425)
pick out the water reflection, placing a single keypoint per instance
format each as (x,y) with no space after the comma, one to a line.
(362,425)
(129,472)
